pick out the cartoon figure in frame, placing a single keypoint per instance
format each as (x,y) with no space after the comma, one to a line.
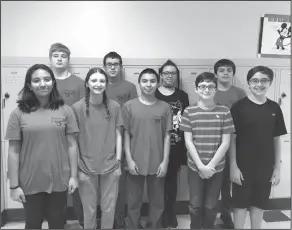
(284,34)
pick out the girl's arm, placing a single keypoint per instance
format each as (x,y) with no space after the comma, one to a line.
(73,154)
(13,162)
(119,143)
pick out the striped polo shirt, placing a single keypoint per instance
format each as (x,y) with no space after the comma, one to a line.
(207,128)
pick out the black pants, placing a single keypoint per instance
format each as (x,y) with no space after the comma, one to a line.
(42,206)
(225,191)
(170,189)
(77,205)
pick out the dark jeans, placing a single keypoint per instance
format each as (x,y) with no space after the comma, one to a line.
(204,195)
(47,206)
(170,190)
(225,191)
(155,194)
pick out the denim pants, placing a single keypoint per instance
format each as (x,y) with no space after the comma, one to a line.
(155,194)
(204,195)
(225,191)
(107,184)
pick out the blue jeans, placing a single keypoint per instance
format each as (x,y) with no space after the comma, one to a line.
(204,195)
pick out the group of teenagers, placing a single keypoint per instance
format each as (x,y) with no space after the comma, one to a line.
(99,141)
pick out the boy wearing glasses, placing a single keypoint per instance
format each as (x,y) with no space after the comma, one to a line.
(207,128)
(178,100)
(255,155)
(227,95)
(121,91)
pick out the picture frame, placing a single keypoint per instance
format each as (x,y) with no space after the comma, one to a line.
(275,36)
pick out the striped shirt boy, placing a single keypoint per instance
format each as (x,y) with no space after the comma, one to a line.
(207,128)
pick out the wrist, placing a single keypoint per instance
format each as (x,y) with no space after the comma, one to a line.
(14,187)
(233,164)
(201,166)
(129,160)
(211,165)
(164,161)
(277,167)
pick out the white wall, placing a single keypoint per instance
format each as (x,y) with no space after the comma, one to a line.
(136,29)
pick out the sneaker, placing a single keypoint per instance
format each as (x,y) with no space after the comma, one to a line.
(119,223)
(140,226)
(227,221)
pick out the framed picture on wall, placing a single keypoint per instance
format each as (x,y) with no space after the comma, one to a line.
(275,36)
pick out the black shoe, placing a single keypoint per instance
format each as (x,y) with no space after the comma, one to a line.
(119,223)
(173,222)
(171,219)
(98,223)
(227,221)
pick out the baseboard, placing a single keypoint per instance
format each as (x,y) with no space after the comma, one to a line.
(16,215)
(3,218)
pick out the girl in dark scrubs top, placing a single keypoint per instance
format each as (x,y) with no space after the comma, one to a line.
(42,154)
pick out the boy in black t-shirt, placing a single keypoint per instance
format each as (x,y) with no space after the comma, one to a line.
(178,100)
(255,157)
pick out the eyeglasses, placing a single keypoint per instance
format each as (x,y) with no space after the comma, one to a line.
(110,65)
(167,74)
(204,87)
(255,81)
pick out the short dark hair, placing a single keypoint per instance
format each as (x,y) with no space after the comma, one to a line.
(112,55)
(170,63)
(149,71)
(28,102)
(224,62)
(262,69)
(206,76)
(59,47)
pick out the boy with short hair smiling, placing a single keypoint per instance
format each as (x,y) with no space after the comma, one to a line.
(255,154)
(148,122)
(226,94)
(207,128)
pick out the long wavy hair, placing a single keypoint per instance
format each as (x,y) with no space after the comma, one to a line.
(28,101)
(87,91)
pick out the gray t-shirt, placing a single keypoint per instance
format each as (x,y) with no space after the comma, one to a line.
(229,97)
(147,125)
(121,92)
(97,137)
(43,158)
(71,89)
